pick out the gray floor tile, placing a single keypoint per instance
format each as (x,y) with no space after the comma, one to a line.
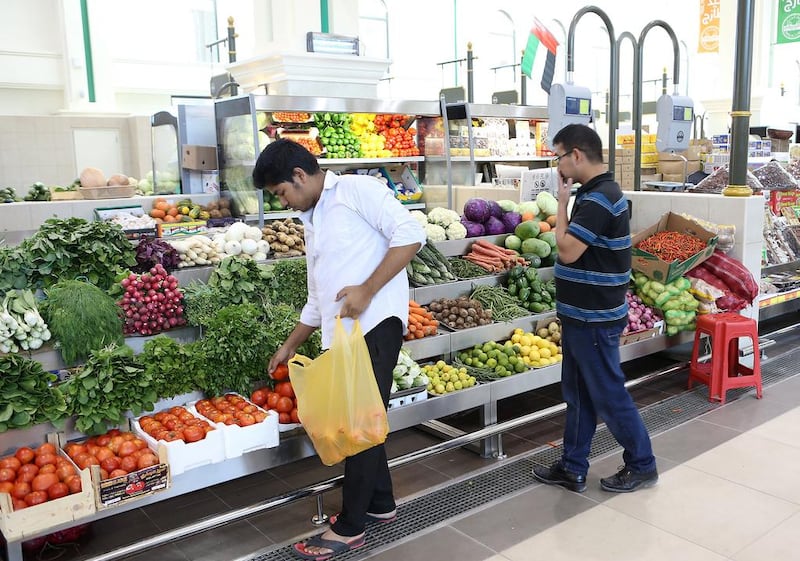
(541,432)
(457,462)
(185,509)
(514,520)
(411,479)
(306,472)
(246,491)
(223,544)
(115,531)
(165,553)
(748,412)
(293,520)
(609,465)
(408,440)
(440,544)
(691,439)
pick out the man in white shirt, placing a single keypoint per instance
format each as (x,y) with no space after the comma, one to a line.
(358,239)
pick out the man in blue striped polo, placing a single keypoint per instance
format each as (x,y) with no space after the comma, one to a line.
(592,274)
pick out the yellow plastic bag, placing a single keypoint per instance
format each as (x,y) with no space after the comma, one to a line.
(338,400)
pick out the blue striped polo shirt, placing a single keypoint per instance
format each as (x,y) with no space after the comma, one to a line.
(592,289)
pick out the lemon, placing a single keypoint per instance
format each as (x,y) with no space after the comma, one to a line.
(449,387)
(516,337)
(525,341)
(525,349)
(440,364)
(439,388)
(457,385)
(534,354)
(544,353)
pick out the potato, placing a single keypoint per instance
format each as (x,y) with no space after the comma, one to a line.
(117,179)
(92,177)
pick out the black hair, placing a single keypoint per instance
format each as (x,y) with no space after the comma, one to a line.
(277,162)
(583,138)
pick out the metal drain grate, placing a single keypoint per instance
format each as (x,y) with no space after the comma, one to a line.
(447,502)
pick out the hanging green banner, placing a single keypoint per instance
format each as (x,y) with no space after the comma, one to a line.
(788,21)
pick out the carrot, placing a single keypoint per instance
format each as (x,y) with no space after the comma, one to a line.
(416,317)
(419,310)
(412,304)
(492,247)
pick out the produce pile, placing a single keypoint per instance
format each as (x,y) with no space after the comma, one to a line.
(524,350)
(407,373)
(34,477)
(503,305)
(175,423)
(445,378)
(460,313)
(440,224)
(493,258)
(286,238)
(230,409)
(464,269)
(421,322)
(484,217)
(152,302)
(20,323)
(533,293)
(280,398)
(672,246)
(673,299)
(116,452)
(535,241)
(641,317)
(336,136)
(731,277)
(184,210)
(428,267)
(398,140)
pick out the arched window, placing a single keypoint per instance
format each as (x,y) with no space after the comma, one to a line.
(373,28)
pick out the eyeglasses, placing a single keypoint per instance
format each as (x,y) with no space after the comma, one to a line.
(557,158)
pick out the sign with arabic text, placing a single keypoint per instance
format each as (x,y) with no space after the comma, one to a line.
(788,21)
(709,26)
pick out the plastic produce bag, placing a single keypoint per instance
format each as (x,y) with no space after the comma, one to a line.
(726,233)
(338,400)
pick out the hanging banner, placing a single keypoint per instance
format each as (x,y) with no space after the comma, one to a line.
(709,26)
(788,21)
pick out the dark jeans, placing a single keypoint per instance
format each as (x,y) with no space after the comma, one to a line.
(367,482)
(592,384)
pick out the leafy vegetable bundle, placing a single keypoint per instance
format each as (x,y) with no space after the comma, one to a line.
(26,396)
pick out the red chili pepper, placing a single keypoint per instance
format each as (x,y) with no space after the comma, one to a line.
(672,246)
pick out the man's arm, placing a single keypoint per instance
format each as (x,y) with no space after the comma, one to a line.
(297,337)
(357,298)
(570,248)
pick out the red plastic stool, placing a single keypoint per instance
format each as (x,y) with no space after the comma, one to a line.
(724,371)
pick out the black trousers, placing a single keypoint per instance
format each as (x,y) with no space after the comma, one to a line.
(367,482)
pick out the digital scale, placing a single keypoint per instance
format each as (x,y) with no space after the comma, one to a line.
(675,115)
(567,104)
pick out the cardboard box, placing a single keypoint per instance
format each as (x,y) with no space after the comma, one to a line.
(779,200)
(199,157)
(182,229)
(662,271)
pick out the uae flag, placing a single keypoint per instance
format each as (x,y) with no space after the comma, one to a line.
(540,40)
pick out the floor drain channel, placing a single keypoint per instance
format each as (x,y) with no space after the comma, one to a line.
(447,502)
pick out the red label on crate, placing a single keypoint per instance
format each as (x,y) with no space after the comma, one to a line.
(782,199)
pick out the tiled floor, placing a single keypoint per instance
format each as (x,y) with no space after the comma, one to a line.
(727,491)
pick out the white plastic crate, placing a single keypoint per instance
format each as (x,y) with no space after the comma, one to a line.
(407,397)
(183,456)
(240,440)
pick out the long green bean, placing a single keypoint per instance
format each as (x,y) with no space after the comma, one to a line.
(464,269)
(497,298)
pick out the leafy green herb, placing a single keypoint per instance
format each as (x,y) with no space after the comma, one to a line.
(81,318)
(13,272)
(26,396)
(241,281)
(108,385)
(290,282)
(201,302)
(73,248)
(281,320)
(170,365)
(235,348)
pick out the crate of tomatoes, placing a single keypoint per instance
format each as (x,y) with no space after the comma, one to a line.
(244,426)
(182,439)
(122,466)
(280,399)
(41,488)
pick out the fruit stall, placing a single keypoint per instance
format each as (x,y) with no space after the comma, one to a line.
(142,372)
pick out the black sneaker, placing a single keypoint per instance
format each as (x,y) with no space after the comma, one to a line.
(627,480)
(557,475)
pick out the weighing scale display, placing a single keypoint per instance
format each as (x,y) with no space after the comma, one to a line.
(577,106)
(682,113)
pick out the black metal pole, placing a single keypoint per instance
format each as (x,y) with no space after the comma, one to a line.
(523,85)
(232,50)
(740,113)
(613,109)
(470,95)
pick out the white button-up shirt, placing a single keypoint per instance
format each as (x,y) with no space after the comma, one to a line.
(347,234)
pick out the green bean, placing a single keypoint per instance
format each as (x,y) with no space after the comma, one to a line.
(464,269)
(497,298)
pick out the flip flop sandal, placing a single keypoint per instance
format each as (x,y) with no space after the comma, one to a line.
(370,518)
(336,547)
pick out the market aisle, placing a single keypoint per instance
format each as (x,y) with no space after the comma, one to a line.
(727,491)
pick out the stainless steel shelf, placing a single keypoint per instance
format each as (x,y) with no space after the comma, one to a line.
(368,162)
(439,406)
(525,381)
(428,347)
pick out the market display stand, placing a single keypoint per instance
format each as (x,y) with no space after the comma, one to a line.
(773,305)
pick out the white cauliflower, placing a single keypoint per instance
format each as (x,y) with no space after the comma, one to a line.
(435,233)
(443,217)
(420,217)
(456,231)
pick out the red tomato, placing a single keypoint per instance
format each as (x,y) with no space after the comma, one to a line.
(245,419)
(285,405)
(42,482)
(111,463)
(272,400)
(25,455)
(284,418)
(46,448)
(146,460)
(73,483)
(21,488)
(47,468)
(281,372)
(128,464)
(19,504)
(10,462)
(126,449)
(44,459)
(116,473)
(35,498)
(259,397)
(8,487)
(57,490)
(293,414)
(193,433)
(64,471)
(285,389)
(7,474)
(27,472)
